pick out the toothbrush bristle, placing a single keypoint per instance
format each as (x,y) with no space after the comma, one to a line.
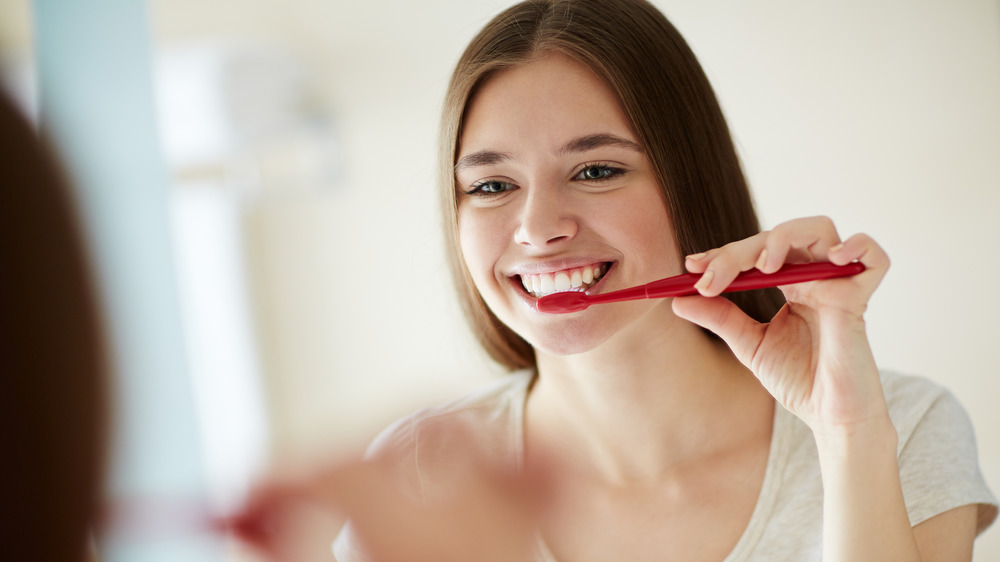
(562,303)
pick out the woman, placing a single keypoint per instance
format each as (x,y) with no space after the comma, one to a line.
(583,149)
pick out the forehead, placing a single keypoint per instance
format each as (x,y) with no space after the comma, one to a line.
(541,104)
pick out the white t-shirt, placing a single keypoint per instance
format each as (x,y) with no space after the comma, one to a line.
(939,468)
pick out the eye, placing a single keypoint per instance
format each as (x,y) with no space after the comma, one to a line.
(490,187)
(598,172)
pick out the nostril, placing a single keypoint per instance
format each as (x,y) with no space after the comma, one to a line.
(547,233)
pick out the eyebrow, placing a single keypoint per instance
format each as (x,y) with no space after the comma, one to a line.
(482,158)
(590,142)
(579,144)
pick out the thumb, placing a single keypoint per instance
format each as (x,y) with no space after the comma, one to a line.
(719,315)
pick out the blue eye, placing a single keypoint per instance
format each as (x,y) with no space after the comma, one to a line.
(490,187)
(598,172)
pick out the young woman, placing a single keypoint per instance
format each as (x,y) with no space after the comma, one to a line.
(583,149)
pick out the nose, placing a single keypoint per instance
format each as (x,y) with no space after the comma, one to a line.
(546,219)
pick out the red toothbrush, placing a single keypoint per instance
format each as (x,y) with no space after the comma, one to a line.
(682,285)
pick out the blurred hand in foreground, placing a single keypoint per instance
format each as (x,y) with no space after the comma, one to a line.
(486,515)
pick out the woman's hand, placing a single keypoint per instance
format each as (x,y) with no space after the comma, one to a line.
(487,515)
(813,356)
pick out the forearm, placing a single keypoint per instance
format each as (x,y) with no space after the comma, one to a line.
(864,515)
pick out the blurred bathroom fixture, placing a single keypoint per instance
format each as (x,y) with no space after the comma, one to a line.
(18,78)
(252,112)
(240,124)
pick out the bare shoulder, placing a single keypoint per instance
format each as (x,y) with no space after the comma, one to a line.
(428,447)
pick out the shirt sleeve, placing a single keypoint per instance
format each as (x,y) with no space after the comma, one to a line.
(938,460)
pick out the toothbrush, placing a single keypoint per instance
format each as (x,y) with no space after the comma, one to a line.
(682,285)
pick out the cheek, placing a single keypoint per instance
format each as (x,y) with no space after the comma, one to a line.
(651,231)
(480,245)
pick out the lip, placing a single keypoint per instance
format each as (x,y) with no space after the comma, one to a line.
(552,266)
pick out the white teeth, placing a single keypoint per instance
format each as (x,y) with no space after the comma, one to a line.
(572,279)
(548,284)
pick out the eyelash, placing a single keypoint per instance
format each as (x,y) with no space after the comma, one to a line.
(609,172)
(477,188)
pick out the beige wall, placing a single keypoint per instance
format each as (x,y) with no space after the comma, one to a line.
(883,115)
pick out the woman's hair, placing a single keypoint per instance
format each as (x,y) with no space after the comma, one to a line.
(53,403)
(669,103)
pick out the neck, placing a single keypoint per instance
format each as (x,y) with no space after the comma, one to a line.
(649,400)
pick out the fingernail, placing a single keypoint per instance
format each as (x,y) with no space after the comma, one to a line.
(698,256)
(837,248)
(705,281)
(762,260)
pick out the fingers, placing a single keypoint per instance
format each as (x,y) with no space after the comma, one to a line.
(862,248)
(720,266)
(807,239)
(795,241)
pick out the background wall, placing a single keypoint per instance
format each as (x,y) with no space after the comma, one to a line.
(881,114)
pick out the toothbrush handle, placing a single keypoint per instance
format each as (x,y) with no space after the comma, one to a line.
(683,285)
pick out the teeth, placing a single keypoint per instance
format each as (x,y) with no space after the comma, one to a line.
(548,284)
(562,282)
(578,279)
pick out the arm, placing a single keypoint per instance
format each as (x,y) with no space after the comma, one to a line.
(863,504)
(488,515)
(814,358)
(948,536)
(864,516)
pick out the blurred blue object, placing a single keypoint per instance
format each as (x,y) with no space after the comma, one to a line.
(96,103)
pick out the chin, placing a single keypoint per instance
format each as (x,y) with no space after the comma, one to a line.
(611,326)
(566,347)
(568,338)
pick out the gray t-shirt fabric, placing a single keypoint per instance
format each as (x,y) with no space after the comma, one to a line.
(938,462)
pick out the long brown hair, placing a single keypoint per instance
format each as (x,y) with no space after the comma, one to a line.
(53,385)
(672,110)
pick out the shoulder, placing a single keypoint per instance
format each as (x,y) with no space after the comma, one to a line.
(924,413)
(938,457)
(911,398)
(430,448)
(431,443)
(481,412)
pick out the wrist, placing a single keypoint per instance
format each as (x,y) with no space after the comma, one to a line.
(859,441)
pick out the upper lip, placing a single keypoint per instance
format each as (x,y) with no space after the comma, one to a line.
(554,265)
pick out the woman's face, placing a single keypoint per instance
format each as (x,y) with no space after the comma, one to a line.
(555,193)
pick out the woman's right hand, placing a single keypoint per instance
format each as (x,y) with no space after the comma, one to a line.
(489,516)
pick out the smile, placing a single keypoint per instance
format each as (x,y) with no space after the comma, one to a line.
(576,279)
